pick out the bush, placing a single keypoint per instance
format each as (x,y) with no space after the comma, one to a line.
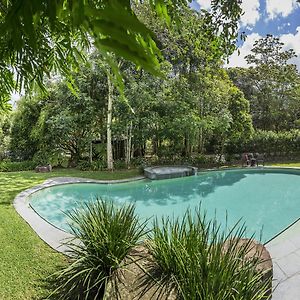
(120,164)
(84,165)
(269,142)
(191,257)
(9,166)
(106,234)
(97,165)
(200,159)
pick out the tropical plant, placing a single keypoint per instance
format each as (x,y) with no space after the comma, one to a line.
(192,259)
(103,236)
(39,37)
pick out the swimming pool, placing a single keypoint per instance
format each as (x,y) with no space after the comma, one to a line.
(267,200)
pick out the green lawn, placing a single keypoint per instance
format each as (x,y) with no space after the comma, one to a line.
(25,260)
(286,164)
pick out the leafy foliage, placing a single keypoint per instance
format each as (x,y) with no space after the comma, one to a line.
(193,87)
(106,234)
(280,143)
(191,257)
(62,123)
(23,144)
(8,166)
(271,84)
(39,37)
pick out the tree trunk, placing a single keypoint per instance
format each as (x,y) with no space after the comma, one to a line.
(73,160)
(200,141)
(128,145)
(154,145)
(110,162)
(201,137)
(91,152)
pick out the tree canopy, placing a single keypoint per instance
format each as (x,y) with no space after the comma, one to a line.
(271,84)
(193,109)
(41,37)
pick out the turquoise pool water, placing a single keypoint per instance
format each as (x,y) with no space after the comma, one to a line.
(267,200)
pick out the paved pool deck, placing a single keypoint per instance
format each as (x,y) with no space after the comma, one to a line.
(284,249)
(285,254)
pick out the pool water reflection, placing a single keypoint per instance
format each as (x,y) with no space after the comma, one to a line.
(263,199)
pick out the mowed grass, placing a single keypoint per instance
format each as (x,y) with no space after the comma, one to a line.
(25,260)
(286,164)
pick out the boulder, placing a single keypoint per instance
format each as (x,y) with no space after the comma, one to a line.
(136,280)
(257,251)
(43,169)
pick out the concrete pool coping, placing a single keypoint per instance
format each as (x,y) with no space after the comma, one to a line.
(50,234)
(284,248)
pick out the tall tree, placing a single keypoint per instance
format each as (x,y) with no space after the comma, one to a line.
(62,122)
(38,37)
(23,143)
(271,84)
(109,150)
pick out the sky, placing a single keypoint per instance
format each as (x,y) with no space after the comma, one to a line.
(281,18)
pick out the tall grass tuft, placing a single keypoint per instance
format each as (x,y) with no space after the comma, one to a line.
(104,235)
(191,258)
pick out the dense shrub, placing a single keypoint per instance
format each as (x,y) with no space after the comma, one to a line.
(9,166)
(97,165)
(191,258)
(106,234)
(120,164)
(269,142)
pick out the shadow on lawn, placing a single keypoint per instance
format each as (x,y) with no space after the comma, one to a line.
(48,285)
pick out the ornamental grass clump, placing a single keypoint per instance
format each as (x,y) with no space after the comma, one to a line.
(103,236)
(192,258)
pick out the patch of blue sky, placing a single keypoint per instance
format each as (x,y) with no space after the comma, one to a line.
(262,17)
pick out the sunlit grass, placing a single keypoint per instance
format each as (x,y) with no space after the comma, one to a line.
(25,260)
(285,164)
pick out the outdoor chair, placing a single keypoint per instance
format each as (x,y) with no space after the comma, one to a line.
(260,160)
(252,159)
(245,160)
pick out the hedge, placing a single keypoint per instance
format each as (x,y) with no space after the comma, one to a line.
(269,142)
(10,166)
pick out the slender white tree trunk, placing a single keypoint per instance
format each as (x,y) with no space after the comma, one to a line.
(91,151)
(110,162)
(128,144)
(201,137)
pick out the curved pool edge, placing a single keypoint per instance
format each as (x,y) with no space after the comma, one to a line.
(55,237)
(284,248)
(50,234)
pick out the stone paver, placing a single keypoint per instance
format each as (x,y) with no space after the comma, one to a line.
(285,253)
(288,290)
